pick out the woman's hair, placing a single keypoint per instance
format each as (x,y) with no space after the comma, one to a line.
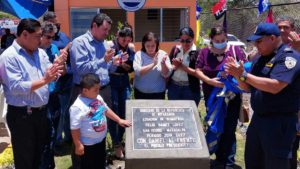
(125,31)
(89,80)
(150,36)
(48,27)
(186,31)
(218,30)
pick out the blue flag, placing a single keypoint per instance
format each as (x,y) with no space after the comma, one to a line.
(25,8)
(263,5)
(198,10)
(217,108)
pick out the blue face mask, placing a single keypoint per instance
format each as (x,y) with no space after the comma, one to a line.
(220,45)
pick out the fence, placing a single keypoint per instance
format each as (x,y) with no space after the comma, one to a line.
(243,21)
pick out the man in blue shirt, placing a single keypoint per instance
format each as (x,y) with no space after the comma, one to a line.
(90,53)
(289,37)
(274,82)
(25,72)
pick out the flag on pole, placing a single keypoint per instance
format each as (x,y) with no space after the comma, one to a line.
(263,5)
(198,23)
(269,18)
(225,22)
(219,9)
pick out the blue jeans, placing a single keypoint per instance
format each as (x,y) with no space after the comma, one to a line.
(176,92)
(120,91)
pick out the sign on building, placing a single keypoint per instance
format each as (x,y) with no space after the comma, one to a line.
(131,5)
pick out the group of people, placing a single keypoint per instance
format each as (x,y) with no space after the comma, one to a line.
(53,87)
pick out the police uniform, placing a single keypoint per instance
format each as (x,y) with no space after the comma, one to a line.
(272,131)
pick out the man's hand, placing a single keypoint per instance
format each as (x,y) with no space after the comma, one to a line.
(234,69)
(53,72)
(109,54)
(295,40)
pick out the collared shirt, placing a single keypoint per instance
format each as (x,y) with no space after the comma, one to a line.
(87,56)
(18,69)
(154,80)
(180,75)
(284,66)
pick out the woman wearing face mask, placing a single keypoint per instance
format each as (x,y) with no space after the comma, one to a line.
(183,85)
(151,67)
(209,63)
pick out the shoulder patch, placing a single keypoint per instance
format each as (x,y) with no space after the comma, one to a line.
(290,62)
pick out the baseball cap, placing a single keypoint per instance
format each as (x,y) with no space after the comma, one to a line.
(264,29)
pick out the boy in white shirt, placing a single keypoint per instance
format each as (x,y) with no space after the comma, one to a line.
(89,124)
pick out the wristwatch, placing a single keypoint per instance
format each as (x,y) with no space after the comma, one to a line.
(243,77)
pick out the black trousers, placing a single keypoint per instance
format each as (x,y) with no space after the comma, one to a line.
(269,141)
(29,135)
(94,156)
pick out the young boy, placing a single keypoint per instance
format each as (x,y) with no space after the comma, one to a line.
(88,123)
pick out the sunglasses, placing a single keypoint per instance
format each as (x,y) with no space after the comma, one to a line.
(49,37)
(185,40)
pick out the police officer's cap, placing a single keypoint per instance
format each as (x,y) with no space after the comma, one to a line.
(264,29)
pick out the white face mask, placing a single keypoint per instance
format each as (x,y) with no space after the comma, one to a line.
(220,45)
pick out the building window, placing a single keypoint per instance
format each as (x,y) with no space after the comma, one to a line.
(81,19)
(164,22)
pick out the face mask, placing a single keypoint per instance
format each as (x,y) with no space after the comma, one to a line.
(220,45)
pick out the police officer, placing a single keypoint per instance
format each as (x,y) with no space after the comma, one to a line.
(274,82)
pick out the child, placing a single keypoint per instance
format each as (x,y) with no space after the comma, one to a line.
(88,123)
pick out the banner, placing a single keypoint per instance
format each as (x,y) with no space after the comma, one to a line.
(25,8)
(219,9)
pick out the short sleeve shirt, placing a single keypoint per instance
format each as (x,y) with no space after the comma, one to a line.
(283,66)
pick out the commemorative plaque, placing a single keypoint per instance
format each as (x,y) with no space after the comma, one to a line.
(164,134)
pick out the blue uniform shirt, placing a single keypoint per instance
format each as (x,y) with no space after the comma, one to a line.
(87,56)
(283,65)
(17,70)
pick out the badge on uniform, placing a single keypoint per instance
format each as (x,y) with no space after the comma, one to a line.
(290,62)
(269,65)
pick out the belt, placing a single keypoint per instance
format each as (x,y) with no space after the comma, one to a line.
(27,108)
(117,74)
(180,83)
(104,86)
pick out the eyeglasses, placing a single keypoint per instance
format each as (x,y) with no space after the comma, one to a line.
(49,37)
(185,40)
